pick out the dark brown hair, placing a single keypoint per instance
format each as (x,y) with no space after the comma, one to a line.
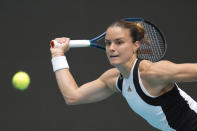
(136,30)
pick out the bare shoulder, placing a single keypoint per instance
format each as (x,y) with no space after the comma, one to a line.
(113,72)
(109,77)
(148,66)
(155,71)
(145,65)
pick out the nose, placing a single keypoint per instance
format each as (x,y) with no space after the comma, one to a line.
(112,46)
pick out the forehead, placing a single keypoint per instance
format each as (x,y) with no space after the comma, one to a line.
(116,31)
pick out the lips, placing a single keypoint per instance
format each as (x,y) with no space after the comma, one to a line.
(113,56)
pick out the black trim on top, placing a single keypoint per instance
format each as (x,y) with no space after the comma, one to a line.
(120,82)
(178,113)
(152,101)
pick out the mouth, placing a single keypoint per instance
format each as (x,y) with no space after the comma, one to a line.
(114,56)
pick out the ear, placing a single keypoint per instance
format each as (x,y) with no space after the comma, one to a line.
(137,45)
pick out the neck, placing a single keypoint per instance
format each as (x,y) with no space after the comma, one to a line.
(125,69)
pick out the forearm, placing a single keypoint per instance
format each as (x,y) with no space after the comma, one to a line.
(65,80)
(67,85)
(187,72)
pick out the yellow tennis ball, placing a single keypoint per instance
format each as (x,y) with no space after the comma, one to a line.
(21,80)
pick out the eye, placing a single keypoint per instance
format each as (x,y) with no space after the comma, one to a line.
(107,42)
(119,42)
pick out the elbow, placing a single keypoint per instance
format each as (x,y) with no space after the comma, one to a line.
(71,101)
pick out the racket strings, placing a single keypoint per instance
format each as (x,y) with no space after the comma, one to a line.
(156,48)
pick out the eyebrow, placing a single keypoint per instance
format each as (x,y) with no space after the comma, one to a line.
(115,39)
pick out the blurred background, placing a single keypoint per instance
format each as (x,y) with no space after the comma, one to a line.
(26,28)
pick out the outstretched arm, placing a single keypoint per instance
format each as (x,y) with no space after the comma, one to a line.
(94,91)
(165,72)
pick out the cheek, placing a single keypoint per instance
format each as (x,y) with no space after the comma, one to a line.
(127,53)
(106,52)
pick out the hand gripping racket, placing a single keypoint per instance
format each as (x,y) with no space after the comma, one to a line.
(154,50)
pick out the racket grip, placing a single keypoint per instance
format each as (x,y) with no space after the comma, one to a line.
(72,43)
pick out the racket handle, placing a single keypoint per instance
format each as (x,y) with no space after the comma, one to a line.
(72,43)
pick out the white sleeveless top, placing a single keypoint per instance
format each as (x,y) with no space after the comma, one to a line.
(160,112)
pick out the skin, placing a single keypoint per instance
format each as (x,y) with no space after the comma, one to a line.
(157,78)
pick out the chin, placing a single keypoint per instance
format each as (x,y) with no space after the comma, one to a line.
(115,63)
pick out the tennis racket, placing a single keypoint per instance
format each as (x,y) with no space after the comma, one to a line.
(154,50)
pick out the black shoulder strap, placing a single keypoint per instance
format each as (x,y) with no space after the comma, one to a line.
(120,81)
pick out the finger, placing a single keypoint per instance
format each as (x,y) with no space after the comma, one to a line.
(66,43)
(66,40)
(60,40)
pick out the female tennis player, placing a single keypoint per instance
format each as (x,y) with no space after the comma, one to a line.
(149,88)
